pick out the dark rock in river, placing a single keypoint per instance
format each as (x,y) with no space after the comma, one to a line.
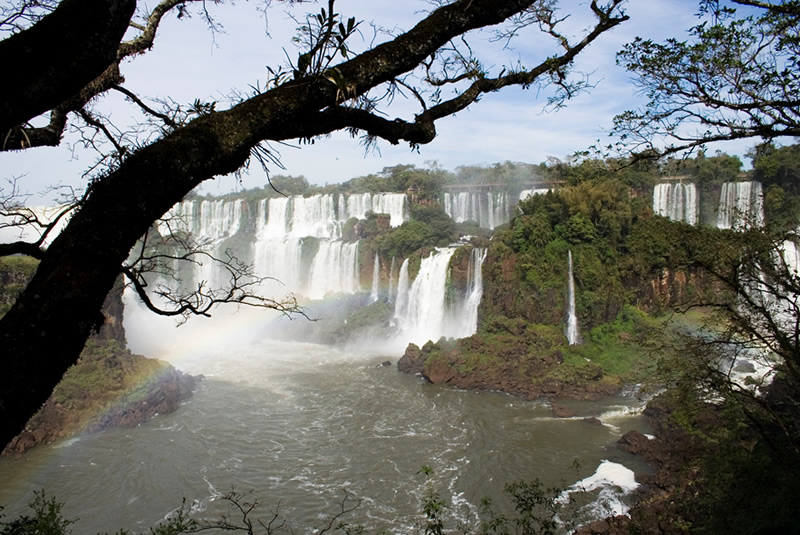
(560,411)
(412,361)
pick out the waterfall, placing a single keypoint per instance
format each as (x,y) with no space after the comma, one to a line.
(741,205)
(295,242)
(401,302)
(393,204)
(314,216)
(333,270)
(524,194)
(358,204)
(490,210)
(179,219)
(209,223)
(376,274)
(391,280)
(573,337)
(465,316)
(677,202)
(422,311)
(421,316)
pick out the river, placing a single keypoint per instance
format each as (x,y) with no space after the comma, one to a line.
(298,424)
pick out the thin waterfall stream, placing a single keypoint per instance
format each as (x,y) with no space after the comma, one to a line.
(573,335)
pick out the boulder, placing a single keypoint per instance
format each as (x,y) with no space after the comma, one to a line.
(560,411)
(412,360)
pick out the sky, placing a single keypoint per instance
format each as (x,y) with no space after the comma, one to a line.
(190,62)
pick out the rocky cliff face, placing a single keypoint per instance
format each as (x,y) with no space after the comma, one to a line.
(506,292)
(108,387)
(133,389)
(670,288)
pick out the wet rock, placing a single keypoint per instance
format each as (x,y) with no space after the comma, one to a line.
(634,442)
(560,411)
(744,367)
(412,360)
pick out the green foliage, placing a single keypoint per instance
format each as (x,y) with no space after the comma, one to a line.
(536,509)
(579,229)
(433,506)
(429,226)
(45,518)
(104,371)
(621,347)
(778,168)
(737,71)
(15,272)
(405,239)
(433,215)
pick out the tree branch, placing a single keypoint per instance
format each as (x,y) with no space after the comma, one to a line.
(56,57)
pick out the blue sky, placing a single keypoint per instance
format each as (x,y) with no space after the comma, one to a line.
(188,62)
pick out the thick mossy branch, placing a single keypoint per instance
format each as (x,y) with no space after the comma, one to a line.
(57,57)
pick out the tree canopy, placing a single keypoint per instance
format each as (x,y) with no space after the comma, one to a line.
(736,77)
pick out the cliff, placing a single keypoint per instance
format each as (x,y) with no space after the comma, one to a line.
(108,387)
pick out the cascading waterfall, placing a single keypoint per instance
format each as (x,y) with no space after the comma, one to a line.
(741,205)
(573,336)
(210,223)
(490,209)
(376,275)
(391,279)
(677,202)
(179,219)
(358,204)
(420,316)
(464,315)
(333,270)
(422,312)
(403,283)
(294,242)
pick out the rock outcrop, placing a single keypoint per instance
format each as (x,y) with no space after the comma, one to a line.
(108,387)
(60,418)
(525,364)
